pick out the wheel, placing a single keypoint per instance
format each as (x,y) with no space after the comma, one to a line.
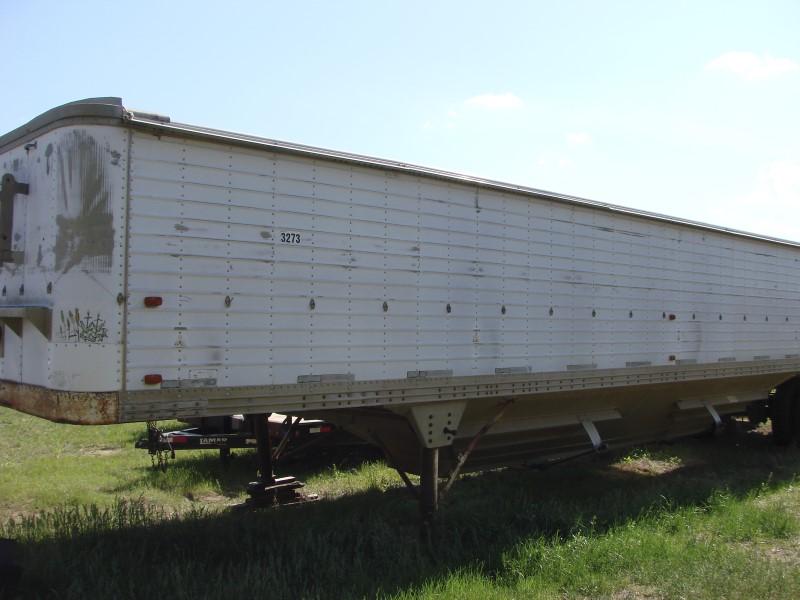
(757,413)
(796,418)
(783,411)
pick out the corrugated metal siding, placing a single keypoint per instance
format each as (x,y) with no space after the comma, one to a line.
(206,220)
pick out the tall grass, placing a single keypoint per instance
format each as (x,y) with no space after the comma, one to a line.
(700,519)
(366,545)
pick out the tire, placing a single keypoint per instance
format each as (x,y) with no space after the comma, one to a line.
(785,414)
(796,418)
(782,421)
(757,413)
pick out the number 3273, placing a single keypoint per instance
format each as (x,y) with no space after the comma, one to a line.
(290,238)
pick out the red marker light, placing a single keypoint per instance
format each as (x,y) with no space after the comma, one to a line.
(672,317)
(179,439)
(152,379)
(326,428)
(153,301)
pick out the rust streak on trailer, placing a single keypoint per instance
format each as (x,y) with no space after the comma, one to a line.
(78,408)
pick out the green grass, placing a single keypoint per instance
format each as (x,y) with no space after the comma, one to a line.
(700,519)
(43,465)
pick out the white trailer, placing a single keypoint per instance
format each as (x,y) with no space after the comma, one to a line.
(152,270)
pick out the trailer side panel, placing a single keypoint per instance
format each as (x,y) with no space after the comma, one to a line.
(275,267)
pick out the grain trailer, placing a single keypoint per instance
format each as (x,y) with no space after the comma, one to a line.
(153,269)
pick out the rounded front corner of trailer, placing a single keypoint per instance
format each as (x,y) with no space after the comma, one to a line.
(62,264)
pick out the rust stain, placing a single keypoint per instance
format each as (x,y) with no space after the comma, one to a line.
(78,408)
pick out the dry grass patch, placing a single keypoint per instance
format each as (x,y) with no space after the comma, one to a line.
(99,451)
(646,461)
(783,551)
(637,592)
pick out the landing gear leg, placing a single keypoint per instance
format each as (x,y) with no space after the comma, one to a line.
(429,488)
(269,490)
(266,474)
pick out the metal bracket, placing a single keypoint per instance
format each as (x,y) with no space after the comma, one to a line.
(462,458)
(9,188)
(437,424)
(597,442)
(709,406)
(433,373)
(41,317)
(326,378)
(714,415)
(291,422)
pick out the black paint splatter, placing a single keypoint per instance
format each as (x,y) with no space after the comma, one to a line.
(85,234)
(75,328)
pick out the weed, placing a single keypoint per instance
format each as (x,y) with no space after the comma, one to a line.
(728,527)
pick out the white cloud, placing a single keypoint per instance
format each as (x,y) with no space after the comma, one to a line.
(564,163)
(778,185)
(495,101)
(769,207)
(550,162)
(464,113)
(578,138)
(752,67)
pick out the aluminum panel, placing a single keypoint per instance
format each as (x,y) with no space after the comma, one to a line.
(69,257)
(527,280)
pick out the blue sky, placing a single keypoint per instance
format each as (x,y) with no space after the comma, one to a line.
(685,108)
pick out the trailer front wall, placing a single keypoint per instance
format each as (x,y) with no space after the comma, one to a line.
(69,258)
(274,266)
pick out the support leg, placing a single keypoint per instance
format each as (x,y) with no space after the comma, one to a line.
(429,484)
(269,490)
(265,470)
(263,491)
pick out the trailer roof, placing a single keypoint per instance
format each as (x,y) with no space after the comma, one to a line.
(112,109)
